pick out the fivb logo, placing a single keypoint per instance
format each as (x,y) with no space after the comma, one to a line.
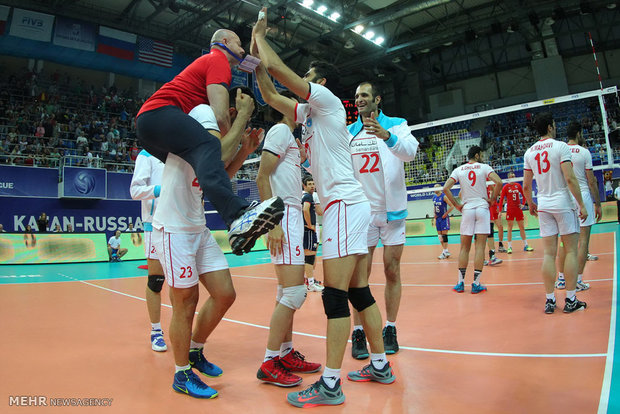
(32,22)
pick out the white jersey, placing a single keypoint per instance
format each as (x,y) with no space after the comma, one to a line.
(582,161)
(285,180)
(368,169)
(326,139)
(473,179)
(146,185)
(544,159)
(114,242)
(181,208)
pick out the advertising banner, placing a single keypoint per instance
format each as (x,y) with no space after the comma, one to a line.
(74,34)
(118,186)
(52,248)
(84,182)
(31,25)
(28,182)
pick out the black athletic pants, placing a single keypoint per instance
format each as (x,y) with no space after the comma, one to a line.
(169,130)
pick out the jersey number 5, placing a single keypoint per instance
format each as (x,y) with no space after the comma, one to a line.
(472,178)
(374,168)
(544,167)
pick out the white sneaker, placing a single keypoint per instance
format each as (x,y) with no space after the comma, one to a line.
(592,257)
(314,288)
(582,286)
(442,256)
(257,220)
(447,254)
(495,261)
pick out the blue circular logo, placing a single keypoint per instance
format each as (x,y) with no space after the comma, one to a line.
(84,183)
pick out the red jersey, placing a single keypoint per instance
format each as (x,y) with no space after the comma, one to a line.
(493,208)
(512,192)
(189,88)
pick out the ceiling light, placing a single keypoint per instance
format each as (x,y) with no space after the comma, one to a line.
(369,34)
(448,43)
(307,3)
(334,16)
(358,29)
(379,40)
(425,50)
(349,44)
(322,9)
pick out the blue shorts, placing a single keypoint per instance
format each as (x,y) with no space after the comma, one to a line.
(442,224)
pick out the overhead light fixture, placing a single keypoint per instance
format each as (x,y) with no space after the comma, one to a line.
(369,34)
(321,9)
(307,3)
(359,29)
(334,16)
(349,44)
(448,44)
(379,40)
(425,50)
(611,6)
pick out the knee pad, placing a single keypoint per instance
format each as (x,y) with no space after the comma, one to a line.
(361,298)
(155,283)
(279,293)
(492,230)
(335,303)
(310,259)
(445,238)
(293,297)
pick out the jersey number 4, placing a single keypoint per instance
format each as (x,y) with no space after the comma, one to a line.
(367,158)
(543,162)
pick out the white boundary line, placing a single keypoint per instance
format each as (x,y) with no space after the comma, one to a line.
(609,362)
(440,351)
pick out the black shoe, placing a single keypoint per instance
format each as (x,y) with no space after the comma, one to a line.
(574,305)
(550,306)
(359,349)
(257,220)
(389,340)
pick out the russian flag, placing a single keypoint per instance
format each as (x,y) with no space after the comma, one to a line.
(116,43)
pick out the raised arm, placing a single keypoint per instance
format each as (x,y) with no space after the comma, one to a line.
(281,103)
(274,64)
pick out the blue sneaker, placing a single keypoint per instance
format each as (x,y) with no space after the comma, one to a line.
(187,382)
(197,360)
(157,341)
(477,288)
(459,288)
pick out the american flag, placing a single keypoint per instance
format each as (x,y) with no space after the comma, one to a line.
(154,52)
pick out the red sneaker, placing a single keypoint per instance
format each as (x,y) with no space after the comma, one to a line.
(296,362)
(273,372)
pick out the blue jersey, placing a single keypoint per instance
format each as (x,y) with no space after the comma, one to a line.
(440,205)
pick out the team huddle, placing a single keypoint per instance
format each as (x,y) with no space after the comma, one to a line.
(194,132)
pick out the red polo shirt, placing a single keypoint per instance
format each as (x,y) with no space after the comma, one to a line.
(189,88)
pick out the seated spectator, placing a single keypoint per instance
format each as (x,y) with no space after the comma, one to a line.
(2,228)
(57,229)
(115,250)
(69,228)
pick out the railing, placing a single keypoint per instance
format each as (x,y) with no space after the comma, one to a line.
(67,160)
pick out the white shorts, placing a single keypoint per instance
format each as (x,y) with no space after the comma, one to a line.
(293,242)
(391,233)
(587,201)
(475,221)
(185,256)
(149,248)
(562,222)
(345,229)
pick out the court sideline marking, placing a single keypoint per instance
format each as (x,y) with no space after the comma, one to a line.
(441,351)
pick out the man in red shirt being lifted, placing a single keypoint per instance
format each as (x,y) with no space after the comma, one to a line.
(164,126)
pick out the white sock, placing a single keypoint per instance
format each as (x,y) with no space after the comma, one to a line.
(156,326)
(178,368)
(510,245)
(388,323)
(378,360)
(446,251)
(269,354)
(525,242)
(331,376)
(285,348)
(551,296)
(311,281)
(356,327)
(560,276)
(580,277)
(196,345)
(570,295)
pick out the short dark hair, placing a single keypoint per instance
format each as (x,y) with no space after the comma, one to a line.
(306,179)
(542,122)
(232,97)
(573,129)
(471,154)
(326,70)
(376,90)
(275,114)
